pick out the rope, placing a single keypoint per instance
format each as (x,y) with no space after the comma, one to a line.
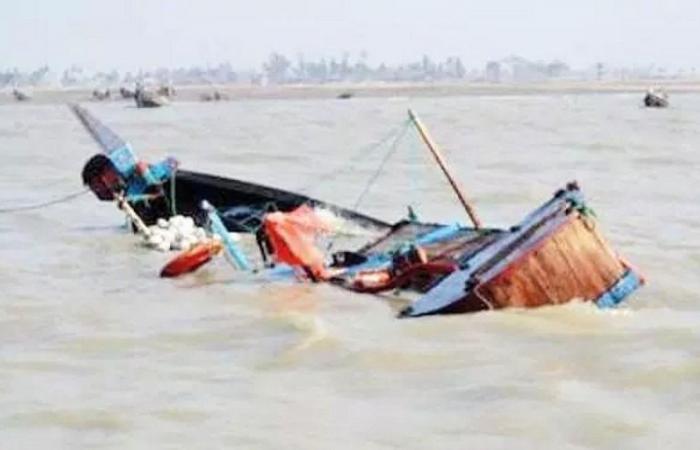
(394,147)
(362,152)
(245,222)
(63,199)
(416,178)
(173,207)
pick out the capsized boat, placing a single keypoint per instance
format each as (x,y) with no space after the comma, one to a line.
(556,254)
(162,189)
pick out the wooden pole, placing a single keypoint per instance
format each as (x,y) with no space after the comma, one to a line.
(445,170)
(124,206)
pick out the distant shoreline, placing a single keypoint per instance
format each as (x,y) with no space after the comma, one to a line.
(234,92)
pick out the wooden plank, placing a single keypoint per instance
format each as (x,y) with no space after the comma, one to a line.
(574,262)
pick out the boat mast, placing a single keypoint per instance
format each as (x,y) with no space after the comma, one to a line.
(445,170)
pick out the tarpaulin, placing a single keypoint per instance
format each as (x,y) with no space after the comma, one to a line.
(293,236)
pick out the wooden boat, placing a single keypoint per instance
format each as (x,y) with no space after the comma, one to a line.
(20,96)
(166,90)
(655,99)
(242,204)
(126,93)
(162,189)
(216,96)
(145,99)
(101,95)
(554,255)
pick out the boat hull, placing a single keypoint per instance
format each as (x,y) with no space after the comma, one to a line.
(655,101)
(241,204)
(556,255)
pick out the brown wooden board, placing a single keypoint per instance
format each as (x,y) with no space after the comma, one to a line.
(572,262)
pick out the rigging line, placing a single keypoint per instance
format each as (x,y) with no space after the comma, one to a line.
(173,203)
(363,151)
(394,147)
(413,172)
(56,201)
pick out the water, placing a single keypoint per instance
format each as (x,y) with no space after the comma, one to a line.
(99,353)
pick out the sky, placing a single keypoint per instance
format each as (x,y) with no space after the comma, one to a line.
(144,34)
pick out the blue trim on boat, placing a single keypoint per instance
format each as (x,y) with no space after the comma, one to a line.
(124,160)
(442,233)
(280,271)
(231,247)
(622,288)
(379,261)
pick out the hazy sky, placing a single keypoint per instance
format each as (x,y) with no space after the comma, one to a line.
(128,34)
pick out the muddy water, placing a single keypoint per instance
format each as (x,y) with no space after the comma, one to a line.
(96,352)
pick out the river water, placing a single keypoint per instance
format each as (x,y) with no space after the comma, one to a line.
(97,352)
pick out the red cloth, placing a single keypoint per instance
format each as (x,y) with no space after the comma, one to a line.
(293,239)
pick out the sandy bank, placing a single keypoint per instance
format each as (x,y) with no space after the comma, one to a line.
(315,91)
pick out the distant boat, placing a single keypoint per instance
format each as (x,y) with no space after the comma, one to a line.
(166,91)
(345,95)
(101,95)
(126,93)
(146,99)
(216,96)
(655,99)
(20,96)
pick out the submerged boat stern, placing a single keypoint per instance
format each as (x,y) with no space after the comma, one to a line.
(555,255)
